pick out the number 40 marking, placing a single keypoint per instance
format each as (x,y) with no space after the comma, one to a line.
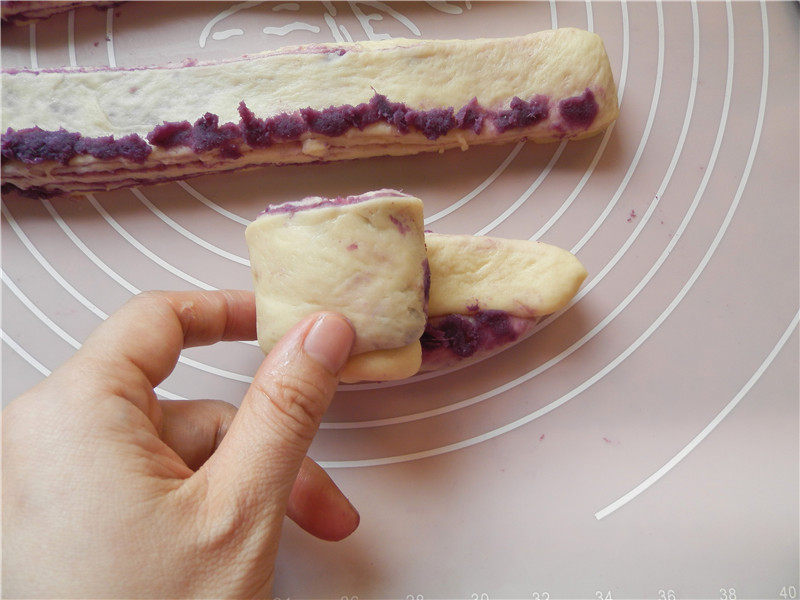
(788,592)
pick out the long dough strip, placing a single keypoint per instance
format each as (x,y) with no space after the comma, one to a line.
(76,130)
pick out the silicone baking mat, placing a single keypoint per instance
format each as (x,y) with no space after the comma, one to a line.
(643,443)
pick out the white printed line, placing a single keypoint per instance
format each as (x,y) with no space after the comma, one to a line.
(296,26)
(228,33)
(47,266)
(112,61)
(213,205)
(589,16)
(32,46)
(345,33)
(222,16)
(661,188)
(73,58)
(527,193)
(549,167)
(728,217)
(625,498)
(364,20)
(88,303)
(9,283)
(484,184)
(144,250)
(668,466)
(186,233)
(52,325)
(87,251)
(331,23)
(444,6)
(638,155)
(24,354)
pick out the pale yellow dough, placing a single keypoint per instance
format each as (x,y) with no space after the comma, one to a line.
(364,260)
(423,74)
(383,365)
(524,278)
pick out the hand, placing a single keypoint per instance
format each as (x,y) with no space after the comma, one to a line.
(108,492)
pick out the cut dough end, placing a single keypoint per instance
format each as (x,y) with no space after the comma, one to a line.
(383,365)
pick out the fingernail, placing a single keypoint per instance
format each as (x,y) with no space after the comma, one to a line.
(329,342)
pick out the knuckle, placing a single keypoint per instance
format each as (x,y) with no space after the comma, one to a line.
(294,404)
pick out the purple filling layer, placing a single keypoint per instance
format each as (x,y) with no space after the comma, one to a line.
(426,283)
(35,192)
(579,111)
(205,135)
(401,227)
(35,145)
(522,114)
(313,202)
(466,334)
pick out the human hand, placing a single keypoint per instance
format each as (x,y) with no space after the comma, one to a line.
(108,492)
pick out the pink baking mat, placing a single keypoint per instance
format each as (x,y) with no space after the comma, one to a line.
(643,443)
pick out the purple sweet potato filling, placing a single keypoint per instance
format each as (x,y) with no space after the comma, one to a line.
(401,227)
(471,116)
(426,283)
(35,192)
(579,111)
(35,145)
(464,335)
(206,134)
(313,202)
(522,114)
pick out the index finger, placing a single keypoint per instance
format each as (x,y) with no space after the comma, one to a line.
(146,336)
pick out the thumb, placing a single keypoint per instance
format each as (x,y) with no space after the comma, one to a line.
(257,462)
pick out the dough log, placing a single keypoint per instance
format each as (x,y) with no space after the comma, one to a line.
(78,130)
(417,305)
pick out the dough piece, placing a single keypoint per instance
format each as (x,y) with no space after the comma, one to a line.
(486,293)
(362,256)
(88,129)
(383,365)
(523,278)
